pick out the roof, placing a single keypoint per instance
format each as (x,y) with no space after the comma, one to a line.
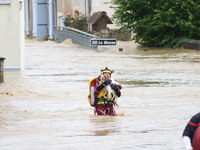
(97,15)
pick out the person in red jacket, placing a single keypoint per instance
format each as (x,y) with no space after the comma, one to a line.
(102,105)
(191,134)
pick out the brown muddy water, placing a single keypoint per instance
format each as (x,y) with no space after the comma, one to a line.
(45,106)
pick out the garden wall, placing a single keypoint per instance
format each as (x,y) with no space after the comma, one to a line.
(118,34)
(192,44)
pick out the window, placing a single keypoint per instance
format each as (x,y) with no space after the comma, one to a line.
(4,2)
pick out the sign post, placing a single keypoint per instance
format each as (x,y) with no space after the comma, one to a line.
(103,42)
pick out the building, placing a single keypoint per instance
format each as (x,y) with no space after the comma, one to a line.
(12,34)
(85,8)
(99,21)
(39,18)
(43,15)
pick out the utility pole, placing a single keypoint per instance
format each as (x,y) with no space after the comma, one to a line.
(85,9)
(89,10)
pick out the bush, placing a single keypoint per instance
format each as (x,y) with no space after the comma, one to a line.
(75,22)
(159,22)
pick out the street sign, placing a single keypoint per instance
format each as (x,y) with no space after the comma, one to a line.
(99,42)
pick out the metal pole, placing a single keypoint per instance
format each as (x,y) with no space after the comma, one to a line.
(22,35)
(27,18)
(85,9)
(55,12)
(50,9)
(89,9)
(34,18)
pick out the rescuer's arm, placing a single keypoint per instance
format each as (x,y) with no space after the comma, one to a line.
(115,88)
(103,85)
(187,143)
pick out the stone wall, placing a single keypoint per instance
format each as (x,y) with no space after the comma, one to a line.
(192,44)
(117,34)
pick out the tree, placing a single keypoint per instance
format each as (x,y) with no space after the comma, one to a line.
(159,22)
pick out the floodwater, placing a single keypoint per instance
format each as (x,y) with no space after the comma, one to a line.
(45,106)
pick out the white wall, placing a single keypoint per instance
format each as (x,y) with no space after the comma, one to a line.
(70,6)
(82,6)
(12,35)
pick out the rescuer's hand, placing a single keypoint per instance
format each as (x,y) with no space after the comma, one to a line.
(187,143)
(117,91)
(107,82)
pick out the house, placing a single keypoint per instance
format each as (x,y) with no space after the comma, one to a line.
(42,15)
(84,8)
(99,21)
(12,34)
(39,18)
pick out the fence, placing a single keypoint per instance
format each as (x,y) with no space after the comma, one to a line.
(77,36)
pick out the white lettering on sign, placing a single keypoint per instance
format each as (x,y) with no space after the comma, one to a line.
(103,42)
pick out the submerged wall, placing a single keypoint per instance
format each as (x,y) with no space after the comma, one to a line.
(192,44)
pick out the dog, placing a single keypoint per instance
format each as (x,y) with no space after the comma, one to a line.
(109,93)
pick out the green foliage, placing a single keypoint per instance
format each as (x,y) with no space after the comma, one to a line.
(159,22)
(75,22)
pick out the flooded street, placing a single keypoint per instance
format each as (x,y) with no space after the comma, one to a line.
(45,106)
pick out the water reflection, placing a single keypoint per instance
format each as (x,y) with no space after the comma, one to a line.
(103,125)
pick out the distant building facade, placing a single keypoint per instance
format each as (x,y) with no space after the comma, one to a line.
(43,15)
(84,7)
(39,18)
(12,34)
